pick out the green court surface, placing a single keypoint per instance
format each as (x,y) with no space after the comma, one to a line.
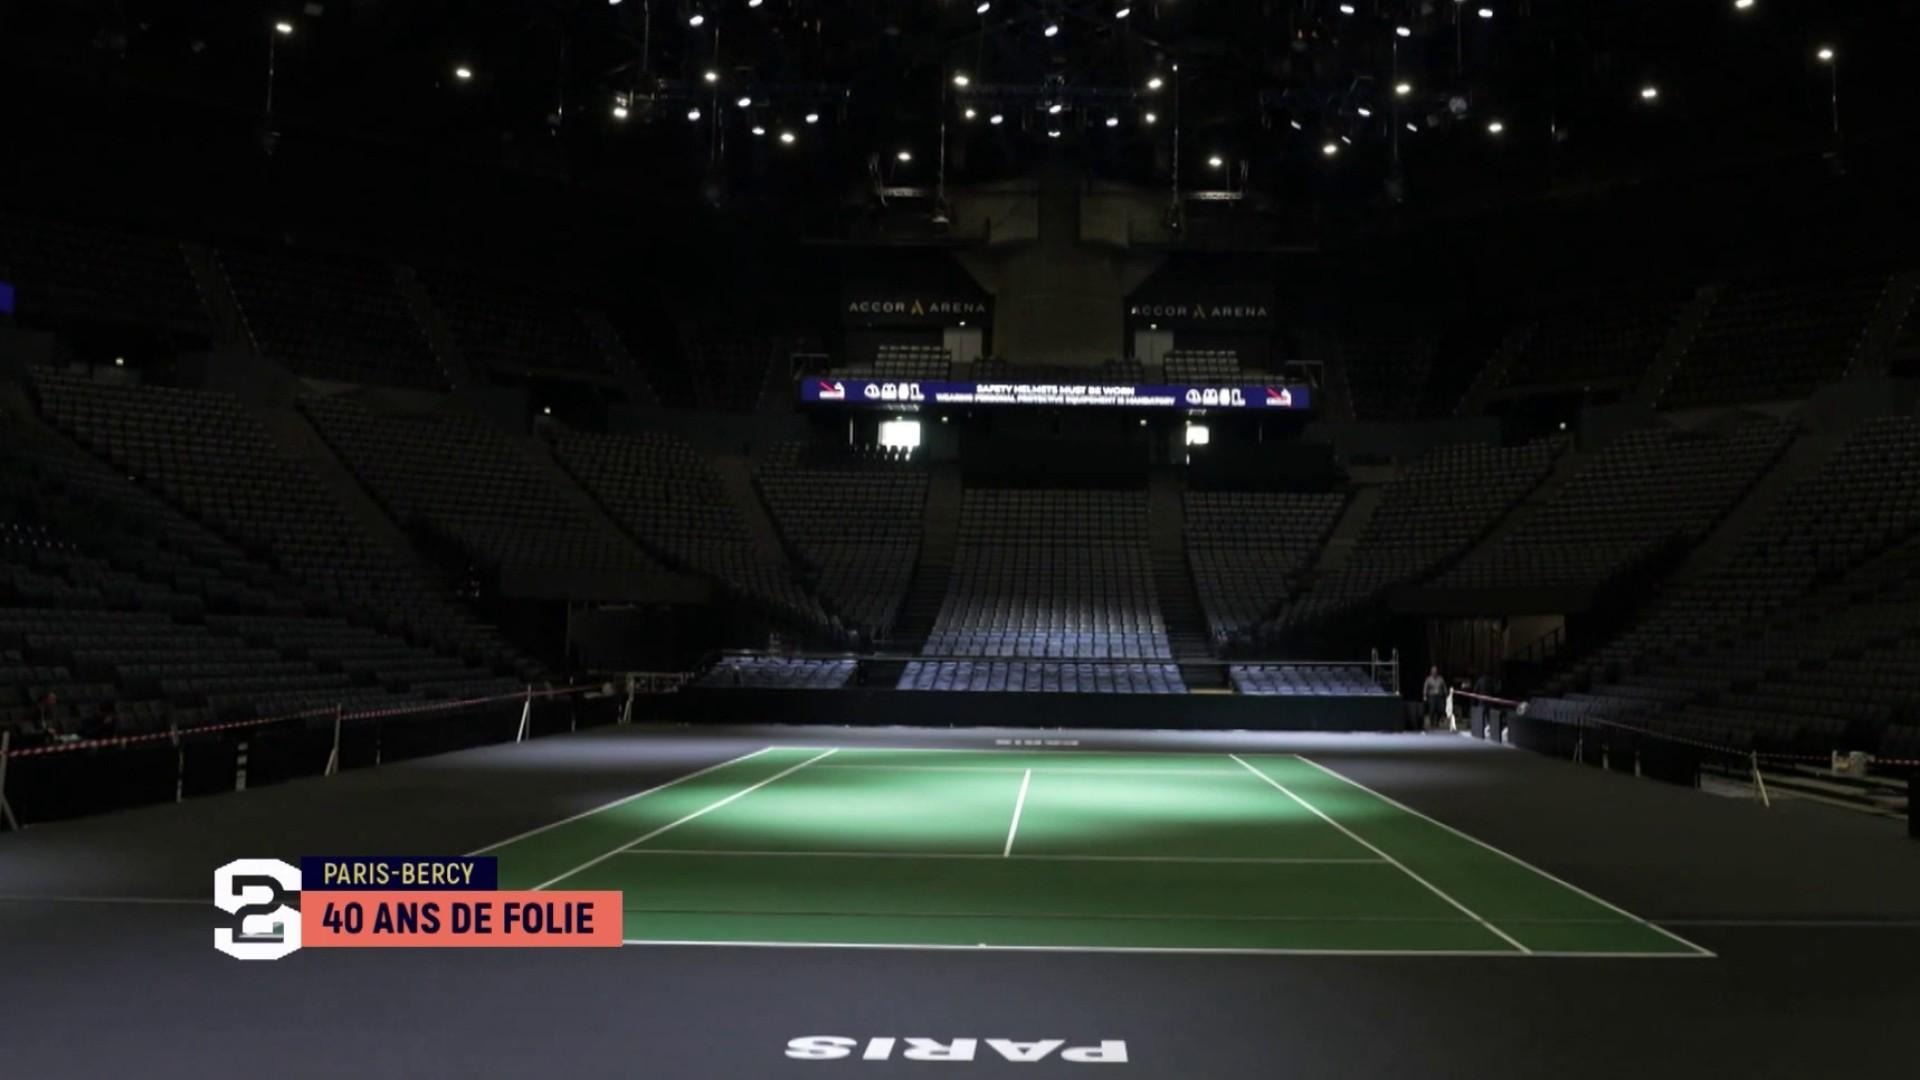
(1061,850)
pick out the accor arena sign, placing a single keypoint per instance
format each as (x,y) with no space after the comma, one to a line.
(1220,314)
(913,310)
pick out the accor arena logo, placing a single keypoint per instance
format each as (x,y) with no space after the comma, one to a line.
(891,1048)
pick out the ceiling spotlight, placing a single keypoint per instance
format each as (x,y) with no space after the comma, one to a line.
(983,7)
(1155,83)
(1052,30)
(1825,54)
(283,28)
(1403,31)
(1151,118)
(1296,125)
(1330,149)
(1413,127)
(1216,161)
(1346,9)
(755,3)
(787,137)
(711,76)
(903,156)
(744,102)
(1402,89)
(1495,127)
(1113,121)
(1649,93)
(1053,133)
(613,3)
(969,114)
(696,20)
(759,129)
(996,119)
(813,118)
(1364,111)
(463,73)
(619,111)
(693,113)
(960,78)
(1486,13)
(1742,5)
(1054,109)
(1122,11)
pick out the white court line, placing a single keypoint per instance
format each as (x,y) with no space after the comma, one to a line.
(1356,838)
(1019,805)
(538,829)
(1397,804)
(598,859)
(1044,769)
(1257,860)
(1170,950)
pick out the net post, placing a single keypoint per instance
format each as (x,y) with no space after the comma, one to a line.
(333,755)
(1453,722)
(626,711)
(179,761)
(526,716)
(6,808)
(1759,785)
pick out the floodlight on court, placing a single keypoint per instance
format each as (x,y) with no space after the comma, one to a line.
(996,119)
(1151,118)
(1113,121)
(900,434)
(711,76)
(812,118)
(1216,161)
(1054,109)
(983,7)
(1346,9)
(1826,54)
(463,73)
(903,156)
(1052,30)
(1649,93)
(283,28)
(1122,11)
(1199,435)
(960,79)
(696,20)
(759,129)
(1403,31)
(755,3)
(1742,5)
(1486,13)
(1330,149)
(744,102)
(1364,111)
(969,113)
(1402,89)
(1495,127)
(1155,83)
(693,113)
(787,137)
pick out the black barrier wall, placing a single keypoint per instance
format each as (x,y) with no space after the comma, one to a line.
(1172,712)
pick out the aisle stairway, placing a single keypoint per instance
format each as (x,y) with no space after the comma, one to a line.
(1173,585)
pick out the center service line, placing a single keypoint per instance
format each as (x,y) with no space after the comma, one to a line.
(1019,805)
(1356,838)
(598,859)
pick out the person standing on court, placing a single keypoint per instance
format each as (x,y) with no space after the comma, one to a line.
(1434,692)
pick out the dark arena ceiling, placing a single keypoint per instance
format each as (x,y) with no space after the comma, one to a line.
(1312,104)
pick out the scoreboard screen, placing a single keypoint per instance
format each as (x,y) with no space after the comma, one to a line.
(882,393)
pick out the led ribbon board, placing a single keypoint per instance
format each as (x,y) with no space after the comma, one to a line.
(884,394)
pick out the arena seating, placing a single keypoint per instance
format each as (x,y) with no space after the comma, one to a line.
(1305,680)
(1775,341)
(1763,648)
(1017,676)
(331,318)
(1387,368)
(1248,548)
(854,526)
(900,361)
(461,480)
(72,273)
(729,369)
(1043,575)
(663,492)
(1203,367)
(992,369)
(513,331)
(1597,343)
(775,672)
(1646,491)
(1431,514)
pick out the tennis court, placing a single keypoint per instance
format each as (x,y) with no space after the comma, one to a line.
(869,847)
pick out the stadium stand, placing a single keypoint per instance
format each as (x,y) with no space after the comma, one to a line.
(512,331)
(1044,575)
(775,672)
(729,369)
(1430,515)
(1305,680)
(1247,549)
(1648,491)
(662,491)
(71,273)
(852,525)
(1203,367)
(901,361)
(456,478)
(331,318)
(1745,654)
(1600,343)
(1775,341)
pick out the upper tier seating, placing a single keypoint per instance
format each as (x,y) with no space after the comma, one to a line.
(1645,491)
(1051,575)
(1430,515)
(1111,371)
(730,369)
(1387,370)
(1775,342)
(1247,549)
(1734,654)
(331,318)
(662,491)
(512,331)
(1203,367)
(205,454)
(64,272)
(895,361)
(854,526)
(465,481)
(1593,345)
